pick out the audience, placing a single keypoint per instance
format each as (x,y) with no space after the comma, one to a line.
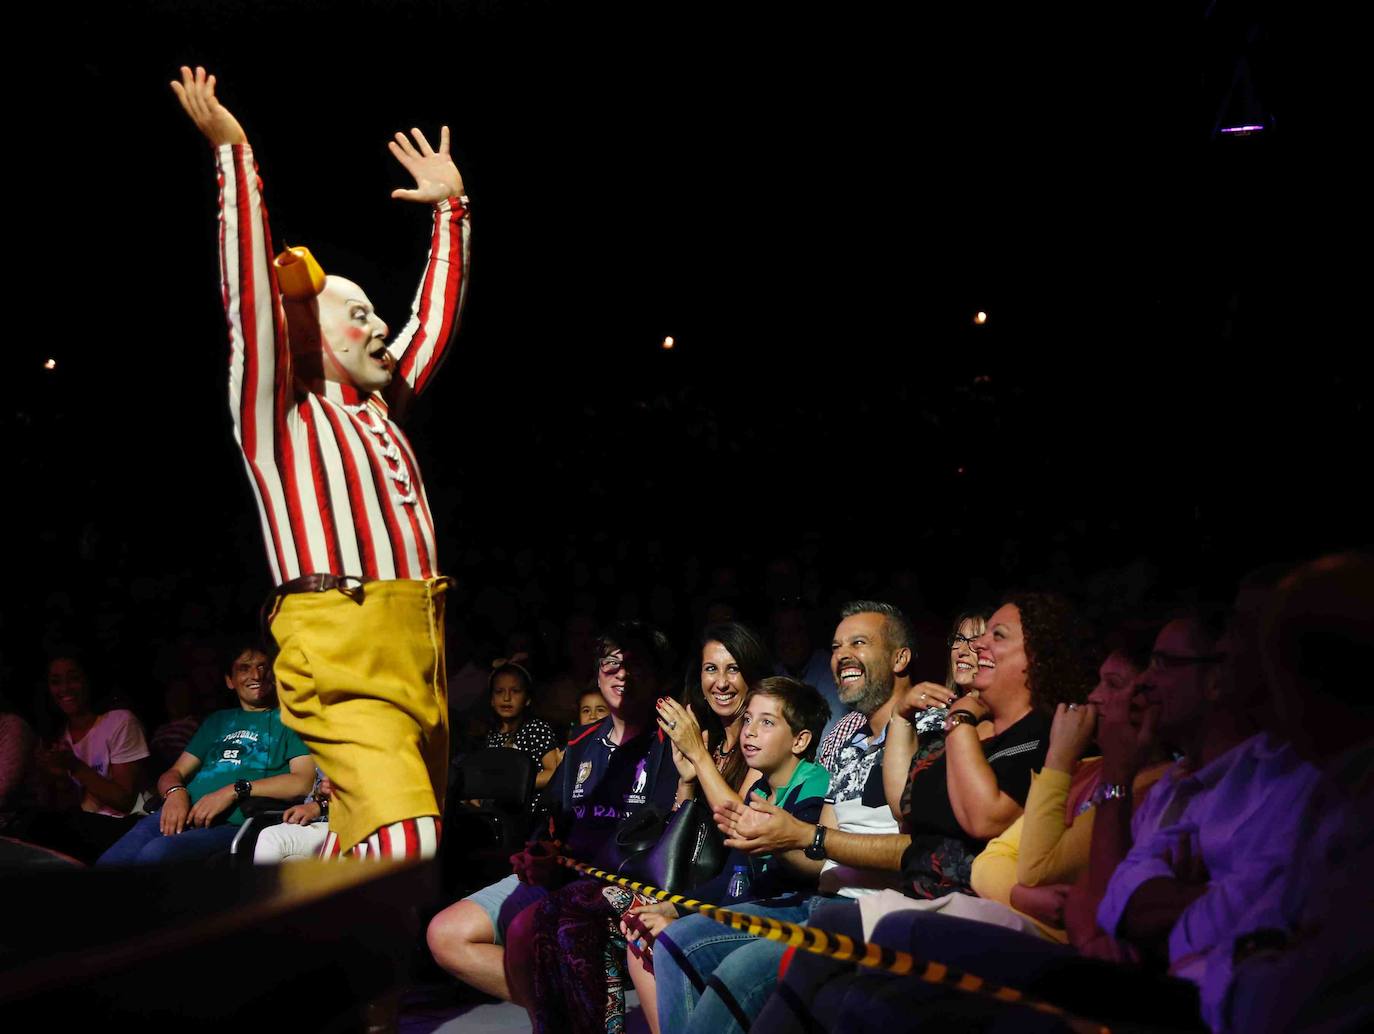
(1181,845)
(92,771)
(610,771)
(236,754)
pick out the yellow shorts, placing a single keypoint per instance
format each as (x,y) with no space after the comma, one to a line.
(362,681)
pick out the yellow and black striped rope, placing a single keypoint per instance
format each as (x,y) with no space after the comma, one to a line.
(838,946)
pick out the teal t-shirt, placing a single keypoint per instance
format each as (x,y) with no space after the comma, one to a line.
(238,744)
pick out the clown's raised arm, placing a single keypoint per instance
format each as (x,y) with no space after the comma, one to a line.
(324,335)
(420,346)
(260,378)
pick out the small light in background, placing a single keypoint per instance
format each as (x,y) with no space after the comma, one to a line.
(668,343)
(51,364)
(980,317)
(959,470)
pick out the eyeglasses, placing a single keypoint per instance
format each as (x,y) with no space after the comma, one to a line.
(956,638)
(611,665)
(1160,660)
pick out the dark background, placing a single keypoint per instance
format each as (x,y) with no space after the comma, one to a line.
(812,200)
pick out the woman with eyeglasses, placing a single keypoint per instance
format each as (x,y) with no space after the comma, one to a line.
(918,720)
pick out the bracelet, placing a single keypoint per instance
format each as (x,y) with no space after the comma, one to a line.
(174,789)
(961,717)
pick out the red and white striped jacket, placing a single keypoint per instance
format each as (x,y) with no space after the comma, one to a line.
(336,481)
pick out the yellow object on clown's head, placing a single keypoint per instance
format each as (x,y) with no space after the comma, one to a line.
(299,276)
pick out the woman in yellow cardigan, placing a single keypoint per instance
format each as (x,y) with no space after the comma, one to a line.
(1032,865)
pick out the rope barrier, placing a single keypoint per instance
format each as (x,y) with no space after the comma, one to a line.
(840,947)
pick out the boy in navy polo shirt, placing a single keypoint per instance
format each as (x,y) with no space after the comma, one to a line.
(610,769)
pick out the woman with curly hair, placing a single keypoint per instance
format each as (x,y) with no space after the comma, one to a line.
(1034,653)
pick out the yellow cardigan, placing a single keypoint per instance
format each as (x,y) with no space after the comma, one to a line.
(1038,848)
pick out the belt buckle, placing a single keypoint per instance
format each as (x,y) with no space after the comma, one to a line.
(353,591)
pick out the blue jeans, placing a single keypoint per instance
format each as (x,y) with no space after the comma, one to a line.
(145,844)
(713,978)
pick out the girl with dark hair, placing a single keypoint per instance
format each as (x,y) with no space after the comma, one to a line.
(94,766)
(512,695)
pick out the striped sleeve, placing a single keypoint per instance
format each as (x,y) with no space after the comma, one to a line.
(260,387)
(421,345)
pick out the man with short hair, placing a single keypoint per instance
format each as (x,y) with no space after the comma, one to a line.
(1213,835)
(236,754)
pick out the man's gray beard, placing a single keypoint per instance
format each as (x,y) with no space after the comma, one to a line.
(873,695)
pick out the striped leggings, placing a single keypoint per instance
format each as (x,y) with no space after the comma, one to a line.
(409,838)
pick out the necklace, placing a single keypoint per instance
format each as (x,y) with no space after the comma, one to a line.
(722,756)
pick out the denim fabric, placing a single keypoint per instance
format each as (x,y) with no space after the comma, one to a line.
(711,977)
(145,844)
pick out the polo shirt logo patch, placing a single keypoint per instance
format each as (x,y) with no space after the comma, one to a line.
(640,776)
(584,772)
(636,794)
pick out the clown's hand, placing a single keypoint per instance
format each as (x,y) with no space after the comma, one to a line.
(436,177)
(196,92)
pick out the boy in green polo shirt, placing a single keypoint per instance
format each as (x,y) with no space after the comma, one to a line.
(783,719)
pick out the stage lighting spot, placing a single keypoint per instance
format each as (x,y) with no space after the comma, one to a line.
(668,343)
(980,317)
(51,364)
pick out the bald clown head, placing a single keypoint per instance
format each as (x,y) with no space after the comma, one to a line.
(338,336)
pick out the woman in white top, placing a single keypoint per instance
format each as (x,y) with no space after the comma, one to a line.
(94,766)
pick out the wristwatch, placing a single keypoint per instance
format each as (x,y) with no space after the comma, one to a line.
(960,717)
(242,788)
(816,852)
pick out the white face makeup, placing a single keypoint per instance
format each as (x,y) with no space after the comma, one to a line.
(352,338)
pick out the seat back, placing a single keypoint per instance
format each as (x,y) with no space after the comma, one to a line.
(503,776)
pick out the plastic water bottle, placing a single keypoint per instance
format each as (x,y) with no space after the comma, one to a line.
(739,882)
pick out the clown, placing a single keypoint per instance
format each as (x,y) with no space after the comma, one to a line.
(314,389)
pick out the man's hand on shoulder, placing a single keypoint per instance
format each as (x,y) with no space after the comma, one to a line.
(196,92)
(436,177)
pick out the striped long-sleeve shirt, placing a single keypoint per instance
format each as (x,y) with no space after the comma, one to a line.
(336,481)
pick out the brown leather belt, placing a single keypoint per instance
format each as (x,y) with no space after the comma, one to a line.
(348,584)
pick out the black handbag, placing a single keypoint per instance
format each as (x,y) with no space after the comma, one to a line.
(688,851)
